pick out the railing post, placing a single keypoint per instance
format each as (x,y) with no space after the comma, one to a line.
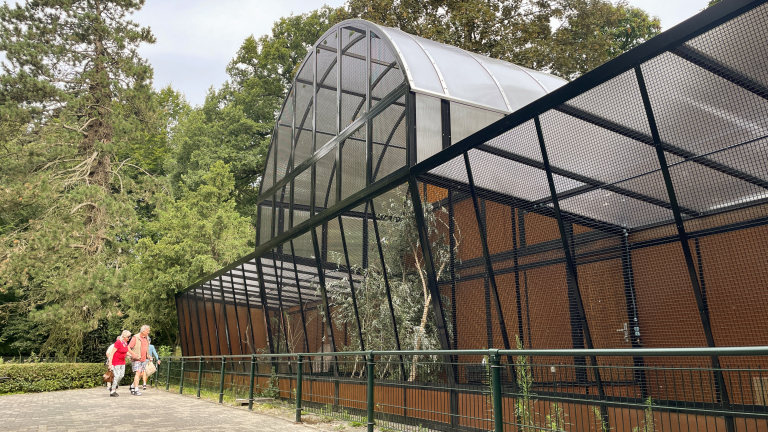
(181,380)
(221,379)
(250,383)
(168,376)
(199,375)
(370,363)
(299,378)
(498,417)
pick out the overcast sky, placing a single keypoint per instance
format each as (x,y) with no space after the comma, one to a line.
(197,38)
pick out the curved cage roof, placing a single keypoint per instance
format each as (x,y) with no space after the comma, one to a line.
(349,101)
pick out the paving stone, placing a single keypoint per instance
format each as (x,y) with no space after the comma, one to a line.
(155,410)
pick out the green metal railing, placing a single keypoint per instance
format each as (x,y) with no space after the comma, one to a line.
(638,390)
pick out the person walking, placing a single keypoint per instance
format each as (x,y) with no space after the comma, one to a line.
(153,353)
(151,356)
(116,361)
(139,346)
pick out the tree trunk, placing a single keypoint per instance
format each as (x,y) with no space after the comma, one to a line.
(98,126)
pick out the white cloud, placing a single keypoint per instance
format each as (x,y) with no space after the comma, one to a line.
(197,38)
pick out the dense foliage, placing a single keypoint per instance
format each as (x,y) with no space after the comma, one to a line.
(114,196)
(42,377)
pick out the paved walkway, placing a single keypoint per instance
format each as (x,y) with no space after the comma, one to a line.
(94,410)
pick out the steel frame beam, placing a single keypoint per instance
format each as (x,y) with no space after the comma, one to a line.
(351,284)
(709,64)
(649,140)
(183,335)
(215,320)
(224,314)
(237,316)
(280,301)
(301,303)
(570,264)
(264,308)
(437,302)
(591,184)
(386,287)
(252,344)
(207,321)
(199,327)
(721,390)
(494,291)
(326,306)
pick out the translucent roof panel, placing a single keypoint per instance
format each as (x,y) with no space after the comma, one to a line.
(350,71)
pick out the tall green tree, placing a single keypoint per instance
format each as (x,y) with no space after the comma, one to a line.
(67,63)
(520,31)
(191,237)
(73,92)
(595,31)
(235,123)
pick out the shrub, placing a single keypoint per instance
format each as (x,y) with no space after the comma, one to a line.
(43,377)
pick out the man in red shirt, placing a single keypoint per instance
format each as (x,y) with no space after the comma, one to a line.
(117,360)
(139,347)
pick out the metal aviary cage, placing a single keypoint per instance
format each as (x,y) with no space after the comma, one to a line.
(418,197)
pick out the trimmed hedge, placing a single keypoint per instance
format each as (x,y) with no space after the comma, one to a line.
(43,377)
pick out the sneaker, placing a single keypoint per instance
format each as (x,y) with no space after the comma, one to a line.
(113,394)
(137,393)
(145,387)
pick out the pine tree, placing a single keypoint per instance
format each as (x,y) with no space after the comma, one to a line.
(67,63)
(73,93)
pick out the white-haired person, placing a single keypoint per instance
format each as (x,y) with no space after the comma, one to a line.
(116,360)
(139,346)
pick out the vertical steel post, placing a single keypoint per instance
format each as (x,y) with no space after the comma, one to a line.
(324,292)
(263,301)
(388,290)
(299,378)
(369,394)
(498,412)
(250,383)
(199,375)
(215,320)
(237,315)
(720,389)
(437,303)
(570,264)
(301,302)
(351,284)
(488,264)
(181,379)
(252,344)
(168,376)
(207,321)
(221,379)
(191,334)
(224,312)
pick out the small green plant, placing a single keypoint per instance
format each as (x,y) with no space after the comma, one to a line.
(556,418)
(523,412)
(602,422)
(272,390)
(164,351)
(355,424)
(647,424)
